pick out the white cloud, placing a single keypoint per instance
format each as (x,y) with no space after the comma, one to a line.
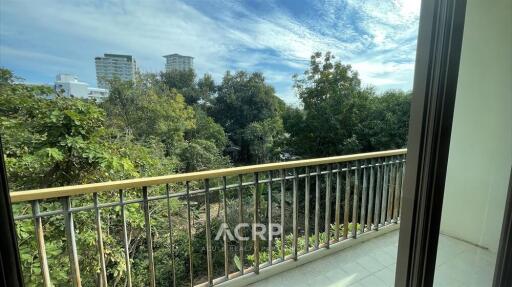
(229,36)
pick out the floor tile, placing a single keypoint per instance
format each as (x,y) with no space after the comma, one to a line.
(373,263)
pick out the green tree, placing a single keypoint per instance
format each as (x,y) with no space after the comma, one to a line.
(265,139)
(206,128)
(146,108)
(243,99)
(184,82)
(63,141)
(340,116)
(207,88)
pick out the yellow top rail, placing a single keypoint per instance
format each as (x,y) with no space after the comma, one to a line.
(54,192)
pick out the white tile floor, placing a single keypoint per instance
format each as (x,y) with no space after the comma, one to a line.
(373,263)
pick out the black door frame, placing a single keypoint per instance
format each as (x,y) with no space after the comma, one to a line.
(10,268)
(502,274)
(435,84)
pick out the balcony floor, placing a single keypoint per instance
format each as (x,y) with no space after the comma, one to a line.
(373,263)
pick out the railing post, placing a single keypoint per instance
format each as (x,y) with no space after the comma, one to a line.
(256,222)
(356,200)
(338,203)
(384,193)
(208,232)
(328,206)
(240,221)
(282,174)
(41,248)
(364,196)
(306,211)
(269,205)
(378,195)
(398,184)
(101,250)
(317,208)
(391,192)
(371,195)
(224,233)
(295,213)
(346,209)
(189,234)
(125,241)
(169,218)
(402,185)
(149,238)
(71,242)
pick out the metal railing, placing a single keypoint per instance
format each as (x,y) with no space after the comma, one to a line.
(328,200)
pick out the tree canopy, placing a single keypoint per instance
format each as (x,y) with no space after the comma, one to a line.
(339,116)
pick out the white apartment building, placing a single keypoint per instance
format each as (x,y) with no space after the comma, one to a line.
(112,66)
(69,86)
(178,62)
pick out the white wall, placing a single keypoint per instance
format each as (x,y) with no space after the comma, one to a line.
(481,146)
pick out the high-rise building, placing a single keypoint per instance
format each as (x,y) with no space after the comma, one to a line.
(178,62)
(114,66)
(69,86)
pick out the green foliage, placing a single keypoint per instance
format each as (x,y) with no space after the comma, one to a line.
(243,99)
(341,117)
(201,155)
(301,243)
(207,129)
(265,139)
(173,122)
(184,82)
(146,109)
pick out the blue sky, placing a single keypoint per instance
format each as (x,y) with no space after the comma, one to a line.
(39,39)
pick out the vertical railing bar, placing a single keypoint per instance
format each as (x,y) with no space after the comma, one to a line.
(398,185)
(338,203)
(283,189)
(189,234)
(240,221)
(356,200)
(295,213)
(364,197)
(346,209)
(224,233)
(169,218)
(391,190)
(306,211)
(378,196)
(208,232)
(125,240)
(149,238)
(41,247)
(317,208)
(402,186)
(384,194)
(101,250)
(328,206)
(269,229)
(71,242)
(256,222)
(371,196)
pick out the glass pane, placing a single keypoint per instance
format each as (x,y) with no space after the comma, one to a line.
(97,92)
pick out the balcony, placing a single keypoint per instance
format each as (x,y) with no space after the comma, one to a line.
(189,233)
(372,263)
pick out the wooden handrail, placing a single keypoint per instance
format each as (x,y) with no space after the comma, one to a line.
(55,192)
